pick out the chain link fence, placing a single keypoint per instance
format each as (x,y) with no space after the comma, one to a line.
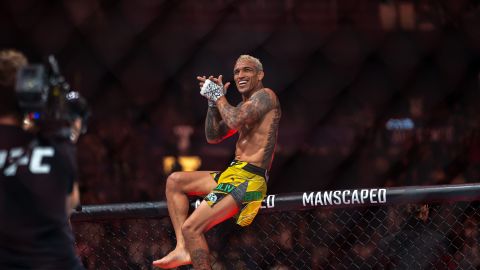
(407,236)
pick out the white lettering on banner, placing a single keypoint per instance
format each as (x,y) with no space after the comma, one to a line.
(382,195)
(318,199)
(308,199)
(363,195)
(19,157)
(373,194)
(345,193)
(268,202)
(355,199)
(338,197)
(328,197)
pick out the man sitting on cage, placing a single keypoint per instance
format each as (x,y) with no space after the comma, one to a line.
(239,190)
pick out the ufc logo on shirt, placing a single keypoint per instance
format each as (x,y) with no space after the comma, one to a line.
(11,159)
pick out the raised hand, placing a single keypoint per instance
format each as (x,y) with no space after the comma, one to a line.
(202,79)
(219,81)
(212,88)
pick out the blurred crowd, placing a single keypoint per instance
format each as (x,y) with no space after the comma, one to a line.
(121,160)
(375,93)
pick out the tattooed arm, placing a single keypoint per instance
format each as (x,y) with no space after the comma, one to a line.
(248,112)
(215,128)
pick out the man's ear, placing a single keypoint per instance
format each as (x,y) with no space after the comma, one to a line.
(260,75)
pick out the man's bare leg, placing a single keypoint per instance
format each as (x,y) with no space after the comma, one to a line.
(179,186)
(201,220)
(200,255)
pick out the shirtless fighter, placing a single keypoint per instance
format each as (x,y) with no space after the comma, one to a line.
(239,190)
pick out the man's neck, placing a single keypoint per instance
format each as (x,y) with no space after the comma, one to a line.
(249,94)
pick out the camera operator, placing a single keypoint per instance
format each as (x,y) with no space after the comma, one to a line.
(36,178)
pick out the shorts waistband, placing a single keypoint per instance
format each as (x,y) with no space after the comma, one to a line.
(250,168)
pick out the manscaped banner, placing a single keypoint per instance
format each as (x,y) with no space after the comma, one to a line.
(371,197)
(345,197)
(302,201)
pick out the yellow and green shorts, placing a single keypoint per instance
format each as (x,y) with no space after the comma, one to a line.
(246,183)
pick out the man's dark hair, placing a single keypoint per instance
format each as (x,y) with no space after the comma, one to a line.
(10,62)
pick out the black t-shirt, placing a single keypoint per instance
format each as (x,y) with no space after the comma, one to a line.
(36,175)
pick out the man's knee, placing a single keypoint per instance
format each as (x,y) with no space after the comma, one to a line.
(174,180)
(190,229)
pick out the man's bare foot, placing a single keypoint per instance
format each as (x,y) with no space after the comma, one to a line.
(177,257)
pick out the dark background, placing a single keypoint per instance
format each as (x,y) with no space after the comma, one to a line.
(344,70)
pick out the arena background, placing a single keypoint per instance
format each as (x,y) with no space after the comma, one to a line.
(342,69)
(374,93)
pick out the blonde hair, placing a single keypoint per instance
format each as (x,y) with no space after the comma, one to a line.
(247,57)
(10,62)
